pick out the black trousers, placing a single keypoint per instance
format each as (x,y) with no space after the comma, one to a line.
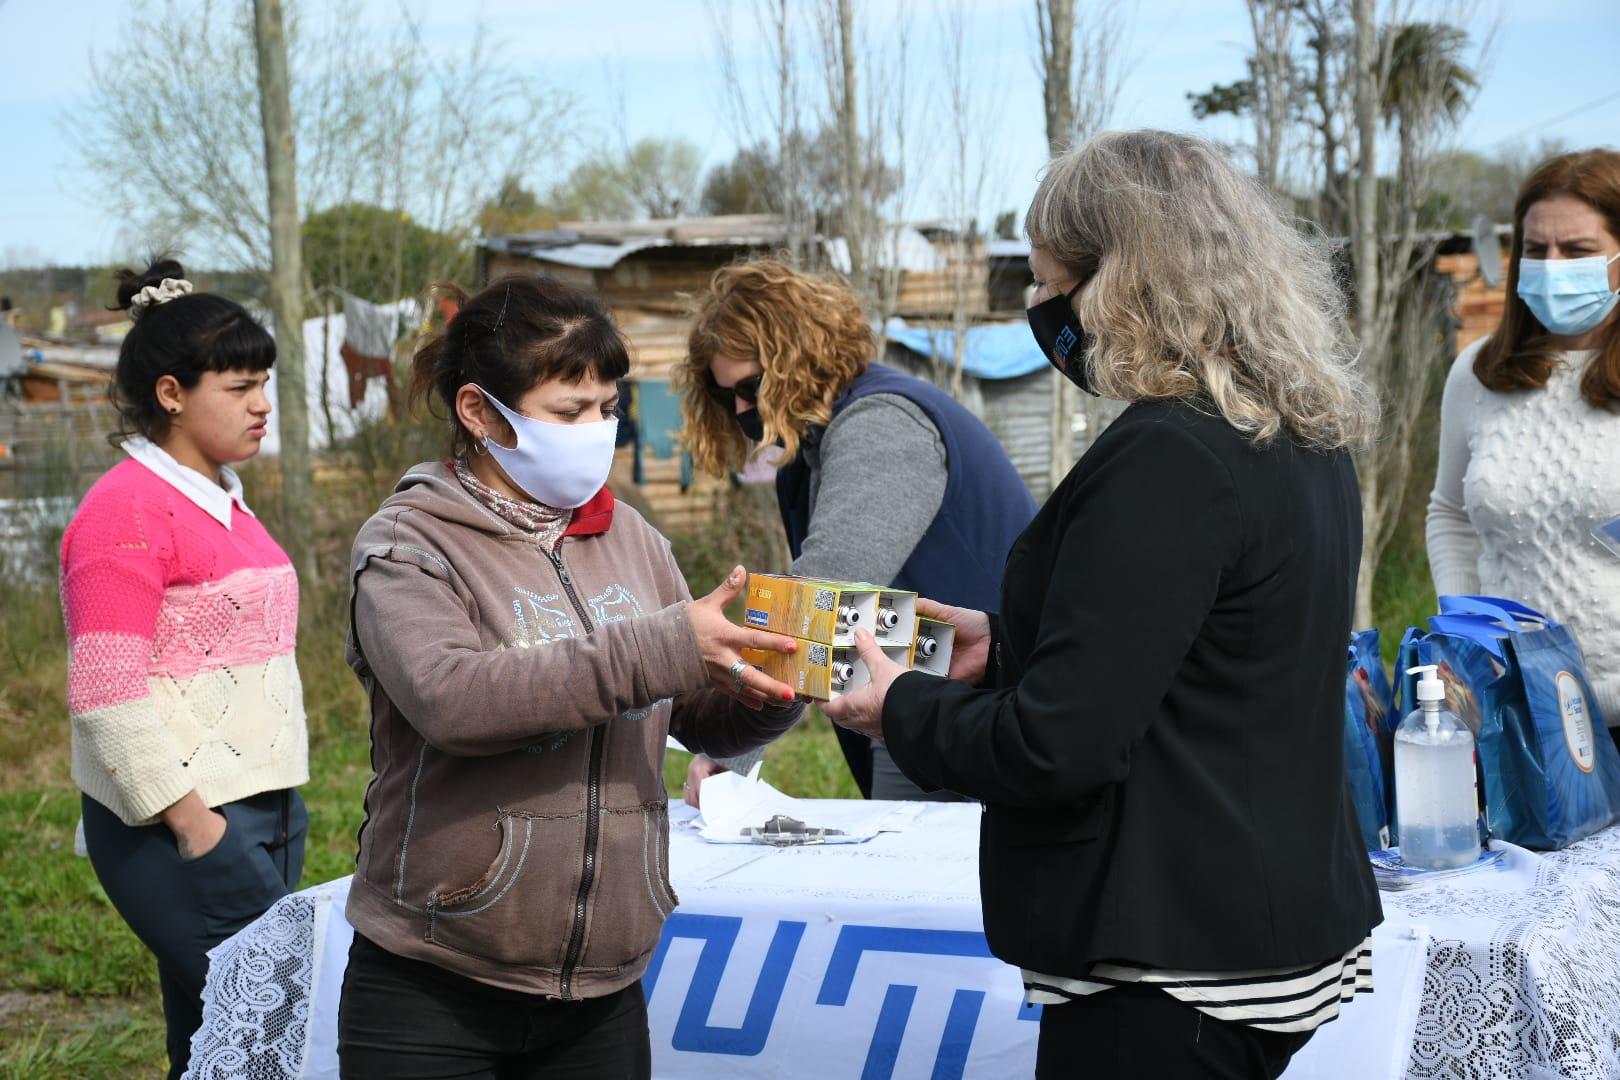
(1139,1032)
(410,1020)
(181,909)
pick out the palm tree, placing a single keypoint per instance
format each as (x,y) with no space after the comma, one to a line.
(1426,85)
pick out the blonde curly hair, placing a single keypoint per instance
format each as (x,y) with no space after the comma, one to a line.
(1201,289)
(809,335)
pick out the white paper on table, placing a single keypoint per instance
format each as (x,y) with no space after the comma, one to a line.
(732,803)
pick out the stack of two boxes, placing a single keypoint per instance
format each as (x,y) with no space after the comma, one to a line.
(824,616)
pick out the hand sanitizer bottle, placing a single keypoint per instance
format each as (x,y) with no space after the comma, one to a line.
(1435,803)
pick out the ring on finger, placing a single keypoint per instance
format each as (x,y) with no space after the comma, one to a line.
(738,666)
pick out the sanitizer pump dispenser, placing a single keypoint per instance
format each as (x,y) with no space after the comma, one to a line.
(1436,807)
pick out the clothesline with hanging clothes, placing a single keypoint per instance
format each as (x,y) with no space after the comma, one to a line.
(369,333)
(348,367)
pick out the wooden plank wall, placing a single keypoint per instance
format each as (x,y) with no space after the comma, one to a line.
(933,294)
(1479,306)
(675,510)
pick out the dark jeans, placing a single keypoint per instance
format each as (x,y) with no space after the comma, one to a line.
(181,909)
(410,1020)
(1137,1032)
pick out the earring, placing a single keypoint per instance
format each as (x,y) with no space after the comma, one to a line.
(174,410)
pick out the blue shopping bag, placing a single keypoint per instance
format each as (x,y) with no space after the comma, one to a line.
(1368,701)
(1550,772)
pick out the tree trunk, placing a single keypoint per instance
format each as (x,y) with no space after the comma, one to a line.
(800,233)
(1365,257)
(1367,108)
(855,223)
(1054,22)
(286,275)
(1369,557)
(1271,23)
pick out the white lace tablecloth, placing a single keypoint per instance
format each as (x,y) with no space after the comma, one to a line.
(1523,972)
(1511,973)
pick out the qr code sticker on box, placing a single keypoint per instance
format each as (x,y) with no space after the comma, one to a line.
(818,655)
(825,599)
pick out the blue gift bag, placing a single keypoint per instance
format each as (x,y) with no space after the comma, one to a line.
(1550,772)
(1368,701)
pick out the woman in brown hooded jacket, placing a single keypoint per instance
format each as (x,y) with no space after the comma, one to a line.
(526,643)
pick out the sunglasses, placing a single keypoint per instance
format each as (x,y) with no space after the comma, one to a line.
(746,391)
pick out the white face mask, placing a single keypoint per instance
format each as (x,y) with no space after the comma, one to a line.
(560,465)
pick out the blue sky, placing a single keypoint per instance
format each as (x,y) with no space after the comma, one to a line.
(1549,58)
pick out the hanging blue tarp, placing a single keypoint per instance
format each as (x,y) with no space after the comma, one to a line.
(997,351)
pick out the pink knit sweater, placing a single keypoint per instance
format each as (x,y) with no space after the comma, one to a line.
(181,672)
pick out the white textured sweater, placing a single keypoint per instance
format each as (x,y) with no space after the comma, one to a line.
(1524,477)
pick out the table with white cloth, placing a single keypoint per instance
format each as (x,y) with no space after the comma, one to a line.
(869,960)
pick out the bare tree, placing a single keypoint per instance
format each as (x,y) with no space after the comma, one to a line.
(779,129)
(855,125)
(1327,91)
(1077,57)
(1368,80)
(1081,73)
(1412,76)
(286,278)
(871,123)
(1294,98)
(843,91)
(1272,24)
(382,119)
(970,128)
(1054,62)
(1364,209)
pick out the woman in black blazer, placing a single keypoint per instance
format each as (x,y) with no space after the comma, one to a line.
(1154,720)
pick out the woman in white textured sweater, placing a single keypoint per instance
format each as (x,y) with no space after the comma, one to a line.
(1530,422)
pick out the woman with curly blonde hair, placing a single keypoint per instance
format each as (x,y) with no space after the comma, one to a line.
(1155,719)
(885,478)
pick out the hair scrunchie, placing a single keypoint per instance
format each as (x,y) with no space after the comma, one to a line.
(154,295)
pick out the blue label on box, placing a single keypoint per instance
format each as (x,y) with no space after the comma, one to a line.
(755,617)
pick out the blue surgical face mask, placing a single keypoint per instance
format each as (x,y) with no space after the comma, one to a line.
(1568,296)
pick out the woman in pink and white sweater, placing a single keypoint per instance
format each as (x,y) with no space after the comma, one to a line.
(181,611)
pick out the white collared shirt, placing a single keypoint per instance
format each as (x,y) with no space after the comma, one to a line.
(214,499)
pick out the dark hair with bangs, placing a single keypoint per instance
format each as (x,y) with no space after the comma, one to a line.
(514,334)
(183,337)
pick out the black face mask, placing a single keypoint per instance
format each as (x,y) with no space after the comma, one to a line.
(752,425)
(1058,331)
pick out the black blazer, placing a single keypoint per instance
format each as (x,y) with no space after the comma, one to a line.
(1162,764)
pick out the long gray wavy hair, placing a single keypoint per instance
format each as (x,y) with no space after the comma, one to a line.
(1202,289)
